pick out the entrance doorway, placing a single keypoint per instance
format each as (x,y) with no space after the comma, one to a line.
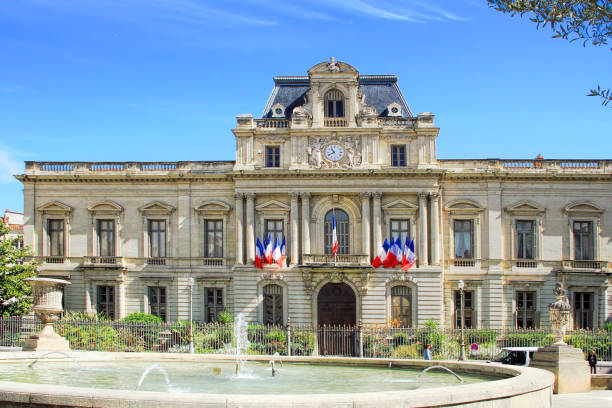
(337,316)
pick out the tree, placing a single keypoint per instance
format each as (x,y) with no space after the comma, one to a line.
(589,21)
(14,292)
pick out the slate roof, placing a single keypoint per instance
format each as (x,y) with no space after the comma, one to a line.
(380,91)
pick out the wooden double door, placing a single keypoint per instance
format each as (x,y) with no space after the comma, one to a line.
(337,313)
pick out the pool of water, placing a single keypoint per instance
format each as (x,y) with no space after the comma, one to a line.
(220,378)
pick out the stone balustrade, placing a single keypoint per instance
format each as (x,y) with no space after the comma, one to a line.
(341,259)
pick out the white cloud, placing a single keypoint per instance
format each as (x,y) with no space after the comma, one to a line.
(9,165)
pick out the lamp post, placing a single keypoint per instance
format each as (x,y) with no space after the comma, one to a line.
(191,283)
(461,286)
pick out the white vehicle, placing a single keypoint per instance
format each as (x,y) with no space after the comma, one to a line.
(516,355)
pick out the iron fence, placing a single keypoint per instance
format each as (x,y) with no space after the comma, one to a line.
(300,340)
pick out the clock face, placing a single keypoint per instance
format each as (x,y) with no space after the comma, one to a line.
(334,152)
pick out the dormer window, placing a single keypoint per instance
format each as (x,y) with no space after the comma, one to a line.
(334,104)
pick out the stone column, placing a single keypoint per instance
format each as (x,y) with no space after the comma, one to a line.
(365,223)
(88,303)
(120,300)
(250,227)
(435,228)
(422,250)
(305,223)
(239,228)
(377,220)
(294,215)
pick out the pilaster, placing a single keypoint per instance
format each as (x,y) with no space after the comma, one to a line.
(294,215)
(435,227)
(365,223)
(377,219)
(250,227)
(422,250)
(239,228)
(305,223)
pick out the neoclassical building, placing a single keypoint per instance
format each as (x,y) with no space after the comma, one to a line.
(143,236)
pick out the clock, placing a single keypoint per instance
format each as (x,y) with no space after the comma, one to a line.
(334,152)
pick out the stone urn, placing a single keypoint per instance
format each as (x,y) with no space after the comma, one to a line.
(559,315)
(47,294)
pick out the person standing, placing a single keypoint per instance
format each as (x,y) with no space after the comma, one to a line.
(592,359)
(427,352)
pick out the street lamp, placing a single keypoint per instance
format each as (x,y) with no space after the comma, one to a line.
(191,283)
(461,286)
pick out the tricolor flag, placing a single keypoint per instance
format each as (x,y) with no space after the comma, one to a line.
(259,254)
(334,235)
(382,253)
(393,255)
(283,250)
(409,257)
(276,254)
(268,250)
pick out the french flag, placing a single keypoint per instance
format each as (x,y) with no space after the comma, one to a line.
(409,257)
(259,254)
(382,253)
(268,250)
(277,254)
(283,262)
(393,255)
(334,235)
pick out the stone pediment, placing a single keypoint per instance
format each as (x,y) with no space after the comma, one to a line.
(55,207)
(400,206)
(105,207)
(583,207)
(273,206)
(464,206)
(213,207)
(156,207)
(525,207)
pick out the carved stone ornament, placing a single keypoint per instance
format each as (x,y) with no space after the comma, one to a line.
(363,283)
(271,275)
(400,277)
(332,66)
(336,277)
(559,314)
(350,144)
(308,284)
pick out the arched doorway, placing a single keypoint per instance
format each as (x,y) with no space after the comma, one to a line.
(336,315)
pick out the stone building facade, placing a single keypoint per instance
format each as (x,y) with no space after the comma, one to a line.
(131,236)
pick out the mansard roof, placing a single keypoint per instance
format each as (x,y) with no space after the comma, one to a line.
(380,91)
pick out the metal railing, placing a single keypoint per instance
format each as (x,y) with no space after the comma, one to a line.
(355,341)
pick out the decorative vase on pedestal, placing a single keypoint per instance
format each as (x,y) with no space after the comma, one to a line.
(47,294)
(567,363)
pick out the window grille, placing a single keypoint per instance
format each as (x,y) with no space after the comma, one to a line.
(401,305)
(273,305)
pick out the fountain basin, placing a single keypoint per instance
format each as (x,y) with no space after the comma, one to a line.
(504,386)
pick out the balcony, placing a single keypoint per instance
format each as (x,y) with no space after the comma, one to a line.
(464,263)
(213,261)
(585,265)
(341,260)
(53,259)
(272,123)
(156,261)
(103,262)
(335,122)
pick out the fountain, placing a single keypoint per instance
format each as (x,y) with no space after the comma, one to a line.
(275,357)
(438,367)
(565,362)
(241,337)
(148,370)
(68,356)
(47,295)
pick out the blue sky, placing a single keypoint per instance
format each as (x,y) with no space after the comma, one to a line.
(107,80)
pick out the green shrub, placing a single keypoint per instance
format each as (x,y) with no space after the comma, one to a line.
(600,342)
(400,339)
(90,337)
(528,339)
(302,342)
(225,318)
(85,317)
(480,336)
(142,318)
(275,335)
(607,326)
(412,351)
(255,332)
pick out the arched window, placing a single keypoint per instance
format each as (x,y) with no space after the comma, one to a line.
(273,304)
(342,231)
(334,104)
(401,305)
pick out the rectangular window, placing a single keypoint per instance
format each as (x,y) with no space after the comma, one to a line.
(274,229)
(525,310)
(401,305)
(157,238)
(106,301)
(464,239)
(525,239)
(401,229)
(55,231)
(583,241)
(398,156)
(213,238)
(583,310)
(157,301)
(468,309)
(106,237)
(213,304)
(272,156)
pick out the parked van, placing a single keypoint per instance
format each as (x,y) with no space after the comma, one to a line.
(516,355)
